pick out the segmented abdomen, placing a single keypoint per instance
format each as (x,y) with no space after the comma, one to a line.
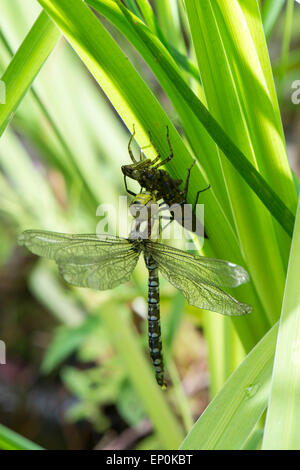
(154,332)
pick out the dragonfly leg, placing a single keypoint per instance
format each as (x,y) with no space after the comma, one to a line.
(163,206)
(195,206)
(186,186)
(142,157)
(156,159)
(197,197)
(129,145)
(166,160)
(171,219)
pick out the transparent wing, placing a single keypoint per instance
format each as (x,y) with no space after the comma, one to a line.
(50,244)
(199,279)
(96,261)
(103,274)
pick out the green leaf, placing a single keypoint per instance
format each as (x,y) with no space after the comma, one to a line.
(26,64)
(150,19)
(10,440)
(231,416)
(282,430)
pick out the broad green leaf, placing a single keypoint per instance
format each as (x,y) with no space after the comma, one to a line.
(225,351)
(255,440)
(251,10)
(282,429)
(132,6)
(150,19)
(231,416)
(169,20)
(26,64)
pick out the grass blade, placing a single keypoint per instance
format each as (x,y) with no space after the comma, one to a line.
(10,440)
(282,429)
(231,416)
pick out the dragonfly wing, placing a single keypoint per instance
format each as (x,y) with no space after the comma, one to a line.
(200,292)
(50,244)
(206,296)
(217,272)
(99,262)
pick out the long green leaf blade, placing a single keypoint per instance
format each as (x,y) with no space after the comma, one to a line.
(26,64)
(10,440)
(229,419)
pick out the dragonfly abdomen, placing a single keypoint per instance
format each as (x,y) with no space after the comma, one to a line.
(154,332)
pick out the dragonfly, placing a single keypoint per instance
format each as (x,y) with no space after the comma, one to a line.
(102,261)
(159,183)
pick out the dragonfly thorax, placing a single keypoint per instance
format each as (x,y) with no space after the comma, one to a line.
(144,206)
(145,211)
